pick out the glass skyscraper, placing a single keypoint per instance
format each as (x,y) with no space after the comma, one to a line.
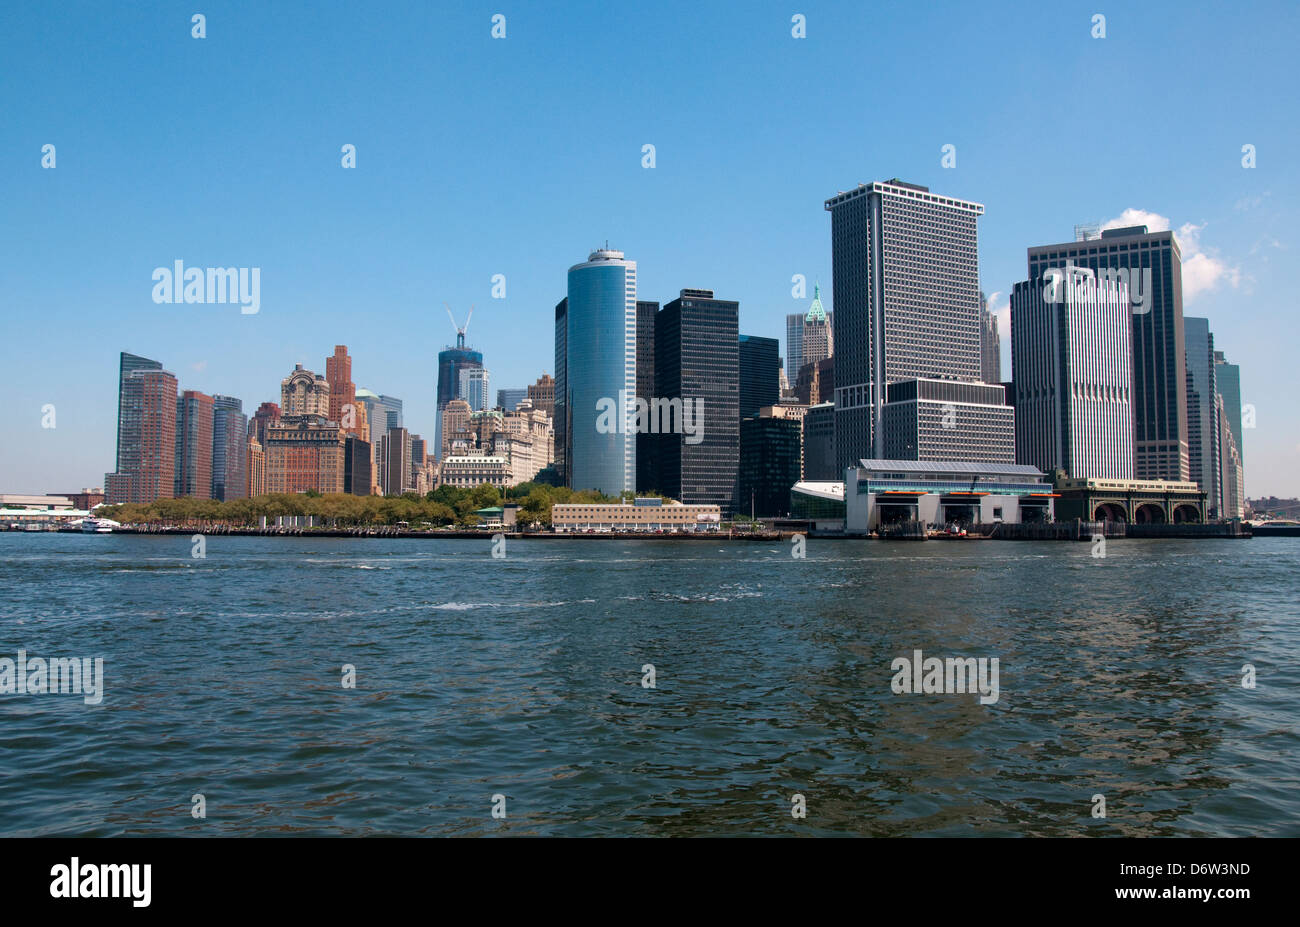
(600,368)
(1160,446)
(229,448)
(697,360)
(760,374)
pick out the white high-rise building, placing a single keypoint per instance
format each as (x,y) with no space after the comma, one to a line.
(1072,372)
(474,388)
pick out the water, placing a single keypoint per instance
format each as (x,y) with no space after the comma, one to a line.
(522,676)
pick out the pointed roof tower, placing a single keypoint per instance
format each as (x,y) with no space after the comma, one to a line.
(815,312)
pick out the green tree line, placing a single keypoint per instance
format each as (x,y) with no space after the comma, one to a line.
(446,505)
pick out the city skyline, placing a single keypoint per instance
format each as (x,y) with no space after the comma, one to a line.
(324,282)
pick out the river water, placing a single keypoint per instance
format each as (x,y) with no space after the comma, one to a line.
(526,676)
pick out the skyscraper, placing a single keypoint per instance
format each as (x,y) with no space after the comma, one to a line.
(561,392)
(343,392)
(1203,444)
(600,368)
(818,342)
(645,388)
(809,336)
(193,471)
(990,344)
(127,364)
(146,433)
(769,465)
(542,395)
(1160,447)
(229,448)
(1227,380)
(507,399)
(396,454)
(1232,453)
(697,362)
(474,388)
(267,414)
(1072,378)
(451,362)
(793,345)
(906,296)
(760,373)
(1231,472)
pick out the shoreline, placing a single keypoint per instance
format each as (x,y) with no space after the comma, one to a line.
(1056,531)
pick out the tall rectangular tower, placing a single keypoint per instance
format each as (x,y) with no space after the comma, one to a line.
(760,374)
(1202,413)
(1153,264)
(905,265)
(561,405)
(600,370)
(146,434)
(1072,378)
(194,445)
(697,362)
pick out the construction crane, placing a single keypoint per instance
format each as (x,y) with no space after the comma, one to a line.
(460,329)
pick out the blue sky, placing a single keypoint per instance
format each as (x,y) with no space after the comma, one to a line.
(479,156)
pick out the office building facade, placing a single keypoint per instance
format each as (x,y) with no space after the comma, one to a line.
(1160,443)
(1203,443)
(990,344)
(600,369)
(697,361)
(146,433)
(906,298)
(1072,378)
(760,373)
(194,413)
(229,448)
(948,420)
(561,413)
(769,465)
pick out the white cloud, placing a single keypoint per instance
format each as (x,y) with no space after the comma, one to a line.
(1203,269)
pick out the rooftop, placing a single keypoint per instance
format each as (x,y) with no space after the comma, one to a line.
(965,467)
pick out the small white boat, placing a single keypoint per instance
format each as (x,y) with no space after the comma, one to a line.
(98,525)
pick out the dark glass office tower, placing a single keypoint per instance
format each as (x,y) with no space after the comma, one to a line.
(697,360)
(769,466)
(561,417)
(645,388)
(229,448)
(760,374)
(1160,445)
(356,466)
(128,363)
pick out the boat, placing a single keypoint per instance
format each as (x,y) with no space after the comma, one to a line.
(94,525)
(1278,527)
